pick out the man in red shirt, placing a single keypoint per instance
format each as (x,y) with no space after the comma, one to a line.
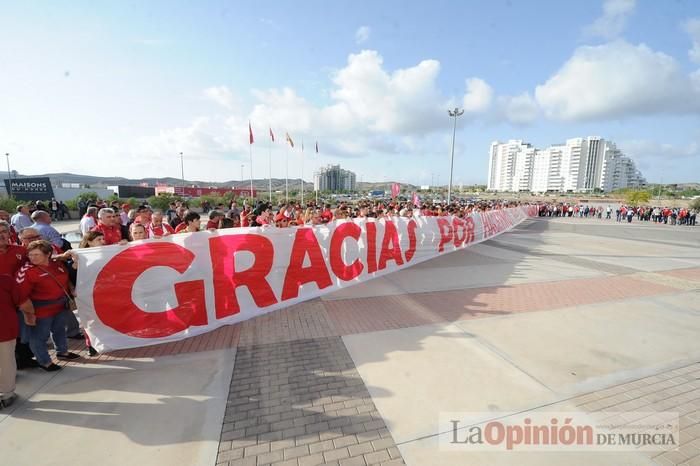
(214,217)
(246,217)
(9,330)
(327,215)
(109,224)
(158,228)
(11,256)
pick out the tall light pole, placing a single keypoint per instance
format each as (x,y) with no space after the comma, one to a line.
(9,175)
(454,114)
(182,169)
(242,167)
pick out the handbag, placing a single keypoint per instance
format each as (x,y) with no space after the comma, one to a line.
(70,301)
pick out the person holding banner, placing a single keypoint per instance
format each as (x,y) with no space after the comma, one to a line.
(190,223)
(9,330)
(44,289)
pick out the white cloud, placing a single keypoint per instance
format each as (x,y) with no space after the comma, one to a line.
(614,19)
(520,110)
(692,27)
(615,80)
(644,148)
(204,137)
(362,34)
(405,101)
(372,111)
(221,95)
(478,97)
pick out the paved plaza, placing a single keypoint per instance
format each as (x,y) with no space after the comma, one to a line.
(557,315)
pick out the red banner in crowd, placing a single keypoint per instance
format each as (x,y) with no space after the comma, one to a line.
(155,291)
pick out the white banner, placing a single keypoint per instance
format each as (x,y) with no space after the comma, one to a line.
(156,291)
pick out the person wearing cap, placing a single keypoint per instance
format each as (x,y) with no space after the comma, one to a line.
(281,221)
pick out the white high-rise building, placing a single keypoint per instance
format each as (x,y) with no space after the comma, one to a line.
(579,165)
(502,160)
(333,178)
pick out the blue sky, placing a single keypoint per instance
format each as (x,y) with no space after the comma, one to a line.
(120,88)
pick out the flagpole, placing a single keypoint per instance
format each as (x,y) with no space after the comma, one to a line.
(302,173)
(251,172)
(269,157)
(286,177)
(319,180)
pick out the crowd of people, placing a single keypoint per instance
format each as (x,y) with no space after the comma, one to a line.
(38,267)
(623,213)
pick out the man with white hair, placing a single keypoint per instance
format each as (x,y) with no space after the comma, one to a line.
(42,224)
(21,219)
(88,221)
(109,224)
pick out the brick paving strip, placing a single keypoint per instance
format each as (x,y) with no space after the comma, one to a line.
(318,318)
(676,390)
(301,403)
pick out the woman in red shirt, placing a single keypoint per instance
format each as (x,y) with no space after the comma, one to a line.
(42,286)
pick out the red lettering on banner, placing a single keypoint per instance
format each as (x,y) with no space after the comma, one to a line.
(470,230)
(341,269)
(446,232)
(489,227)
(111,293)
(391,237)
(222,250)
(411,251)
(502,221)
(371,228)
(457,226)
(305,243)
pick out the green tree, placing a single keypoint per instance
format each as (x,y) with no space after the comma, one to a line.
(162,201)
(635,198)
(9,204)
(695,204)
(87,197)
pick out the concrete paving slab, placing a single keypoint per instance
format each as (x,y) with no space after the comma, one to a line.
(646,263)
(569,348)
(415,373)
(532,269)
(433,451)
(166,410)
(29,381)
(381,286)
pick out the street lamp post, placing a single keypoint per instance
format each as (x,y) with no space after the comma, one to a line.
(9,175)
(454,114)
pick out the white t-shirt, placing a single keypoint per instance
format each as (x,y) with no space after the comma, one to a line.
(86,224)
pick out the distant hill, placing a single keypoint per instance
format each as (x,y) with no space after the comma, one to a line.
(278,184)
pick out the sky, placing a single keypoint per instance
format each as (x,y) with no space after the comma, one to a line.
(122,88)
